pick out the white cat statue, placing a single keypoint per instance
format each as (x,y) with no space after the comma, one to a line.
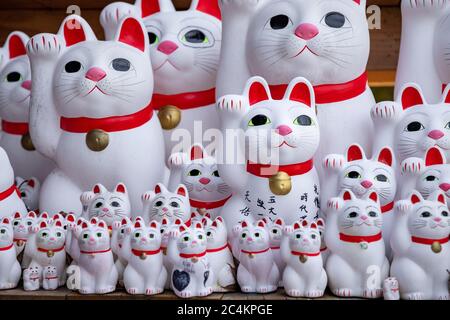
(50,278)
(411,125)
(185,51)
(29,192)
(219,255)
(421,247)
(145,272)
(32,278)
(162,203)
(276,230)
(15,92)
(304,275)
(257,271)
(21,225)
(72,72)
(192,275)
(362,176)
(105,205)
(118,236)
(198,171)
(325,42)
(391,290)
(98,273)
(441,45)
(274,176)
(357,265)
(10,200)
(10,270)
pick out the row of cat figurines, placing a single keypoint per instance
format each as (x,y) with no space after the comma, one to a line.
(348,255)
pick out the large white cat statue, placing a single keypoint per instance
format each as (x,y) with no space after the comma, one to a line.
(91,112)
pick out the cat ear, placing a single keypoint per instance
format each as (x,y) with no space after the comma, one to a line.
(302,91)
(441,198)
(244,224)
(15,44)
(434,156)
(279,222)
(17,215)
(31,214)
(137,224)
(296,226)
(160,188)
(178,222)
(43,225)
(219,218)
(44,215)
(411,96)
(320,222)
(313,225)
(124,222)
(94,220)
(58,223)
(197,152)
(386,156)
(257,90)
(75,29)
(99,189)
(102,224)
(5,220)
(121,188)
(446,95)
(374,197)
(304,223)
(198,225)
(261,224)
(84,225)
(149,7)
(355,152)
(80,221)
(347,195)
(416,197)
(131,32)
(32,183)
(182,228)
(70,218)
(154,225)
(210,7)
(205,222)
(182,190)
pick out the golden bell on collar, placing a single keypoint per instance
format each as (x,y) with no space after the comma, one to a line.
(170,117)
(27,143)
(97,140)
(50,253)
(436,247)
(303,258)
(143,256)
(280,184)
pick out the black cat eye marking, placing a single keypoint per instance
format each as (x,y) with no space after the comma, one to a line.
(16,223)
(303,120)
(72,67)
(195,36)
(216,174)
(414,126)
(244,235)
(137,234)
(59,234)
(23,195)
(99,234)
(373,214)
(353,175)
(153,38)
(174,204)
(425,214)
(298,236)
(352,214)
(274,231)
(44,234)
(313,236)
(200,237)
(152,236)
(29,223)
(431,178)
(447,126)
(13,77)
(209,233)
(115,204)
(121,64)
(444,213)
(257,234)
(158,203)
(162,231)
(259,120)
(85,236)
(381,178)
(98,204)
(3,231)
(335,20)
(186,238)
(279,22)
(194,173)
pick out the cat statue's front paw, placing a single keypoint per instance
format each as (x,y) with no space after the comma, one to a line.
(148,197)
(44,45)
(386,111)
(177,160)
(233,106)
(412,166)
(333,162)
(434,7)
(403,206)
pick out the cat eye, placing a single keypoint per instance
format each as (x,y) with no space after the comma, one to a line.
(425,214)
(162,231)
(335,20)
(153,38)
(274,231)
(373,214)
(44,234)
(216,174)
(352,214)
(99,235)
(259,120)
(137,235)
(447,126)
(13,77)
(444,213)
(122,231)
(209,233)
(244,235)
(158,203)
(23,195)
(353,175)
(16,223)
(303,121)
(200,237)
(257,235)
(152,236)
(414,126)
(98,204)
(174,204)
(194,173)
(298,236)
(313,236)
(72,67)
(195,36)
(431,178)
(3,231)
(279,22)
(115,204)
(85,236)
(29,223)
(59,234)
(186,239)
(122,65)
(381,178)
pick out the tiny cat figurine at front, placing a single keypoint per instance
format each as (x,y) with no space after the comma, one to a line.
(327,42)
(391,290)
(105,205)
(411,125)
(185,51)
(192,275)
(29,192)
(275,177)
(363,176)
(257,271)
(32,278)
(420,242)
(90,110)
(304,275)
(10,270)
(50,278)
(15,92)
(199,173)
(353,235)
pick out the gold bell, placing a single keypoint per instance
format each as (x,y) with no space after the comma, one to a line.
(194,260)
(165,251)
(20,243)
(170,117)
(50,253)
(110,232)
(27,143)
(143,256)
(97,140)
(436,247)
(251,255)
(280,184)
(303,258)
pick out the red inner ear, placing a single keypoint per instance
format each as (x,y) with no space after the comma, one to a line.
(313,226)
(182,229)
(5,220)
(320,222)
(385,157)
(296,226)
(58,223)
(70,218)
(96,189)
(44,215)
(31,183)
(157,189)
(411,97)
(257,93)
(43,224)
(196,153)
(32,214)
(178,222)
(441,198)
(301,94)
(261,224)
(244,224)
(84,225)
(137,224)
(199,226)
(279,222)
(164,221)
(124,221)
(214,224)
(304,223)
(102,224)
(132,34)
(415,199)
(354,153)
(149,7)
(181,191)
(373,196)
(153,225)
(220,219)
(120,188)
(434,157)
(73,32)
(17,215)
(210,7)
(347,196)
(16,47)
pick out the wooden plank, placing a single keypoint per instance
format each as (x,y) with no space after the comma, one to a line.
(381,78)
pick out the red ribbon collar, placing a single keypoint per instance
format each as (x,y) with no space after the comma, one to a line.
(111,124)
(297,253)
(7,248)
(16,128)
(330,93)
(185,101)
(268,170)
(194,255)
(359,239)
(429,241)
(95,252)
(218,249)
(387,207)
(255,252)
(139,253)
(208,205)
(5,194)
(51,250)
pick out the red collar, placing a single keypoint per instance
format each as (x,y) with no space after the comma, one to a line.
(7,248)
(330,93)
(255,252)
(51,250)
(139,253)
(218,249)
(297,253)
(17,128)
(275,248)
(323,249)
(359,239)
(111,124)
(185,101)
(429,241)
(208,205)
(194,255)
(387,207)
(95,252)
(5,194)
(16,240)
(268,170)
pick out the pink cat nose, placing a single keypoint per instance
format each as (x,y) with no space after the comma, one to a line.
(364,218)
(436,134)
(27,85)
(445,186)
(105,209)
(167,47)
(165,209)
(437,219)
(283,130)
(95,74)
(306,31)
(205,181)
(250,239)
(366,184)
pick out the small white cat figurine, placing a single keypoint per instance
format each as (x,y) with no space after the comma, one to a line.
(391,290)
(192,275)
(357,265)
(29,192)
(32,278)
(420,242)
(304,275)
(199,173)
(118,236)
(90,110)
(257,271)
(21,225)
(10,270)
(274,176)
(15,92)
(50,278)
(276,231)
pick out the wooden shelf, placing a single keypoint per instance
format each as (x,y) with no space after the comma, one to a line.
(382,78)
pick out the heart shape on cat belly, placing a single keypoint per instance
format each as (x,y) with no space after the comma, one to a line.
(180,280)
